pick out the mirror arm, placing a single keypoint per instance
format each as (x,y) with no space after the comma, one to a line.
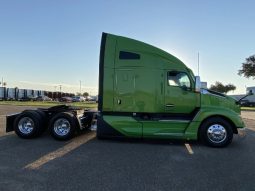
(249,94)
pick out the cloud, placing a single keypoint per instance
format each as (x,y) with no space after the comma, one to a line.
(71,88)
(58,84)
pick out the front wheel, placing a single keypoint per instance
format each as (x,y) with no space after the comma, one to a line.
(216,132)
(62,126)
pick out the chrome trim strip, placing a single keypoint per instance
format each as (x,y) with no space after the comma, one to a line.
(169,105)
(173,134)
(174,120)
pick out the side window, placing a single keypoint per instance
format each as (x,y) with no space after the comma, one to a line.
(123,55)
(179,79)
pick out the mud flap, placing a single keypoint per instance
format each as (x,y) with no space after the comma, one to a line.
(10,121)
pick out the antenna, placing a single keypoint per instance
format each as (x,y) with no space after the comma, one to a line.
(198,63)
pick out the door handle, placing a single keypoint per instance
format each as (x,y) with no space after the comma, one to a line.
(169,105)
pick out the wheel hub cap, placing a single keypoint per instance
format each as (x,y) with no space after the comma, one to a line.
(217,133)
(62,127)
(26,125)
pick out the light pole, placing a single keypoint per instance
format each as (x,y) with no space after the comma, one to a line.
(80,87)
(198,62)
(60,86)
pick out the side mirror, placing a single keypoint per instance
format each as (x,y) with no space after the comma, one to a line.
(185,88)
(250,93)
(197,84)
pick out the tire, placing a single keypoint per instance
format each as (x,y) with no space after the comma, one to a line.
(43,117)
(28,124)
(62,126)
(216,132)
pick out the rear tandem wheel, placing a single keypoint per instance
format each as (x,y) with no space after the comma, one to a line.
(28,124)
(62,126)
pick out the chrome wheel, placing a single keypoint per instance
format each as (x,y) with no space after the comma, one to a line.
(216,133)
(62,127)
(26,125)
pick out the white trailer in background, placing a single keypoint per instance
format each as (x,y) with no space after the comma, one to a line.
(36,93)
(42,93)
(30,93)
(2,93)
(12,93)
(22,93)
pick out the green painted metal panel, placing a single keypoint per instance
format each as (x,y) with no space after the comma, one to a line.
(164,129)
(124,90)
(191,132)
(136,92)
(108,89)
(127,126)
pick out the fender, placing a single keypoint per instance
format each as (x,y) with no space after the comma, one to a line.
(206,112)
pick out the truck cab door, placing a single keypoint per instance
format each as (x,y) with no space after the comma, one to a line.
(181,103)
(180,98)
(124,90)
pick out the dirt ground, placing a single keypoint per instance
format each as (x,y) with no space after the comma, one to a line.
(249,119)
(248,116)
(10,109)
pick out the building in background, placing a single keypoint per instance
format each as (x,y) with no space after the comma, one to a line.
(204,85)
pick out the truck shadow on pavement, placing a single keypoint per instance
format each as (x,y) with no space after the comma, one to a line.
(16,153)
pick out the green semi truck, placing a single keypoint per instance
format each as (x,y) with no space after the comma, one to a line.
(144,92)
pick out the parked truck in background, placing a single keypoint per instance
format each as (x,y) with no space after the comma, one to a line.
(144,92)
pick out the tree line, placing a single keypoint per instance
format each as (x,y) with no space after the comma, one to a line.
(85,94)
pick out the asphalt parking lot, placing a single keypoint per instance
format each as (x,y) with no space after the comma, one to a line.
(85,163)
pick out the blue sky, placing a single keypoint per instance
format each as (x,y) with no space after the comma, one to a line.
(47,43)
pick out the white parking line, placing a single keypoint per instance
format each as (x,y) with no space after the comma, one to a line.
(75,143)
(188,147)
